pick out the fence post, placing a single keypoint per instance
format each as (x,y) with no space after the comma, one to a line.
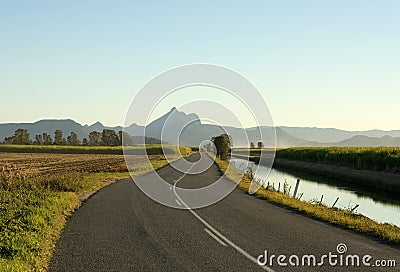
(322,197)
(296,188)
(355,207)
(335,202)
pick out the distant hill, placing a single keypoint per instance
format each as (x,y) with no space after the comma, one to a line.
(194,132)
(333,135)
(45,126)
(361,140)
(169,126)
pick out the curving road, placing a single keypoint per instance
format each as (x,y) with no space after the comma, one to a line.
(121,229)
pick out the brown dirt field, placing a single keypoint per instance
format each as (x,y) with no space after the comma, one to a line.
(33,164)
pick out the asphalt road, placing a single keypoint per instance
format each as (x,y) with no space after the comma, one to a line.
(121,229)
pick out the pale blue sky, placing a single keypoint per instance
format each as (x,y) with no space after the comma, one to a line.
(317,63)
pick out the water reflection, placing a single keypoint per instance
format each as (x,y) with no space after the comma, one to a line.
(313,190)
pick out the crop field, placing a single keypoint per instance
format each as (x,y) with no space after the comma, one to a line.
(38,191)
(361,158)
(26,165)
(151,149)
(23,165)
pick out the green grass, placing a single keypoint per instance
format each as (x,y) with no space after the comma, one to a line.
(363,158)
(34,211)
(356,222)
(153,149)
(30,224)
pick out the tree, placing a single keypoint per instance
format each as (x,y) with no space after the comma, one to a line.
(85,141)
(9,140)
(47,140)
(252,145)
(222,143)
(260,145)
(58,137)
(38,139)
(73,139)
(208,147)
(109,137)
(21,136)
(94,138)
(124,138)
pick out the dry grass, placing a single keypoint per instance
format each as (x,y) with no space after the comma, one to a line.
(39,191)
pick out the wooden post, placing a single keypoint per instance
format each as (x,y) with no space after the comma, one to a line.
(279,187)
(335,202)
(296,188)
(322,197)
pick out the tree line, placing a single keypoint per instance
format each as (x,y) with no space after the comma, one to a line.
(223,144)
(107,137)
(259,145)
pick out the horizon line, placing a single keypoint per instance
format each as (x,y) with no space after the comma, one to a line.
(111,126)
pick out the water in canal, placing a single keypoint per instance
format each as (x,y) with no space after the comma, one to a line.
(380,211)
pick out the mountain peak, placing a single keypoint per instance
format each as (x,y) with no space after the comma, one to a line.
(97,124)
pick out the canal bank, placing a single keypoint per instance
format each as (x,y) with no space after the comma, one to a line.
(376,183)
(319,211)
(321,189)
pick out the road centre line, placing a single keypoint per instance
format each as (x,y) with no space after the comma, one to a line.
(217,233)
(215,237)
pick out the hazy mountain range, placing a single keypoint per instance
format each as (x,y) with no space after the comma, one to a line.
(195,132)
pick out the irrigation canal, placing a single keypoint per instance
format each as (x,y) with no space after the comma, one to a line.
(313,189)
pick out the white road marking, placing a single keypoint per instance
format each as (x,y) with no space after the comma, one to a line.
(177,201)
(222,237)
(215,237)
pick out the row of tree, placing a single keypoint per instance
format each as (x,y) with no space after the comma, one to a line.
(259,145)
(107,137)
(223,144)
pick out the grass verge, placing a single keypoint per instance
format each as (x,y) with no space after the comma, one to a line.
(343,218)
(34,210)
